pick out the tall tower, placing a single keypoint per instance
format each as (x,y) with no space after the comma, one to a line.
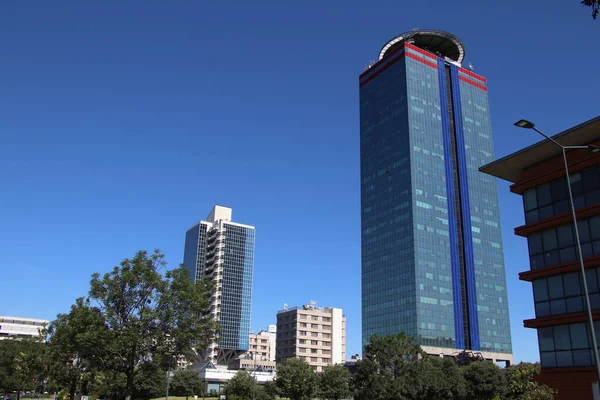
(223,251)
(432,260)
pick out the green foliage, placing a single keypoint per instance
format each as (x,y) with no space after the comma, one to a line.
(146,316)
(334,383)
(241,387)
(485,380)
(387,369)
(594,4)
(22,364)
(520,386)
(186,383)
(296,379)
(150,382)
(434,378)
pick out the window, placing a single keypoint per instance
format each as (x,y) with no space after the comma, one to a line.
(564,293)
(565,345)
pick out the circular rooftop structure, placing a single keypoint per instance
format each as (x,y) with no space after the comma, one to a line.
(441,43)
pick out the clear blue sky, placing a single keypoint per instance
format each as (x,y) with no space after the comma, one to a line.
(123,122)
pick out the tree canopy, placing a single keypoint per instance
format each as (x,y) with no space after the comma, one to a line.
(594,4)
(296,380)
(186,383)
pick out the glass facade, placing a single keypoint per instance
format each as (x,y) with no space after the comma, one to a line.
(236,294)
(562,294)
(567,345)
(486,234)
(423,136)
(551,198)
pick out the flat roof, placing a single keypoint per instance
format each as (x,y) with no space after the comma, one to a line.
(509,167)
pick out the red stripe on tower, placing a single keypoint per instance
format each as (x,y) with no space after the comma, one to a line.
(470,82)
(472,74)
(421,60)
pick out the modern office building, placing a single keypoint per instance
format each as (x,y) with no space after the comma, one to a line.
(262,344)
(20,327)
(538,174)
(317,335)
(222,251)
(432,259)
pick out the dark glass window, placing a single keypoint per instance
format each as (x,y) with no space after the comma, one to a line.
(551,198)
(562,294)
(566,345)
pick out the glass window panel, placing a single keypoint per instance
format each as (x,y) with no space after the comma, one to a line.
(558,188)
(562,339)
(531,216)
(595,227)
(582,358)
(540,290)
(592,197)
(546,211)
(595,301)
(548,359)
(587,250)
(558,307)
(574,304)
(546,338)
(543,195)
(564,359)
(565,235)
(579,201)
(568,254)
(552,258)
(584,230)
(549,239)
(579,337)
(596,248)
(561,207)
(529,199)
(591,280)
(576,184)
(535,243)
(542,309)
(536,261)
(590,179)
(571,284)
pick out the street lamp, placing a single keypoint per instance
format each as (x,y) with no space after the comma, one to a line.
(594,149)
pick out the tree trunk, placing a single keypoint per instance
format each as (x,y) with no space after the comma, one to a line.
(129,388)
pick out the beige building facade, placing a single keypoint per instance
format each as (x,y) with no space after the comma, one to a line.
(262,344)
(316,335)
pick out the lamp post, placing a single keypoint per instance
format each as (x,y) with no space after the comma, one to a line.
(594,149)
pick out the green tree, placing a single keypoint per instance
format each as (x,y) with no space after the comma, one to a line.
(383,374)
(296,379)
(334,383)
(148,317)
(241,387)
(520,385)
(73,341)
(434,378)
(594,4)
(484,380)
(186,383)
(21,364)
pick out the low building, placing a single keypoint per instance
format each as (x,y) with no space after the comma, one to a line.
(20,327)
(262,344)
(537,173)
(316,335)
(216,376)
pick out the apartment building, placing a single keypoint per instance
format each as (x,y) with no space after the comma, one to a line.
(316,335)
(262,344)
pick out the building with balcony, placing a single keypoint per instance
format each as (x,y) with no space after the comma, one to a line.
(316,335)
(262,344)
(537,173)
(222,251)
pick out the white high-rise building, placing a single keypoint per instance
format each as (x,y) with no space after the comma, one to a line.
(222,251)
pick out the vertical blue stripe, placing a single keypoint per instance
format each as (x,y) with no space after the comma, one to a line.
(452,225)
(466,210)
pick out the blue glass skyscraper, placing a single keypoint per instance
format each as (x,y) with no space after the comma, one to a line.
(432,260)
(223,251)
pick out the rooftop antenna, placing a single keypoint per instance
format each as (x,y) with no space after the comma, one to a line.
(285,306)
(470,66)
